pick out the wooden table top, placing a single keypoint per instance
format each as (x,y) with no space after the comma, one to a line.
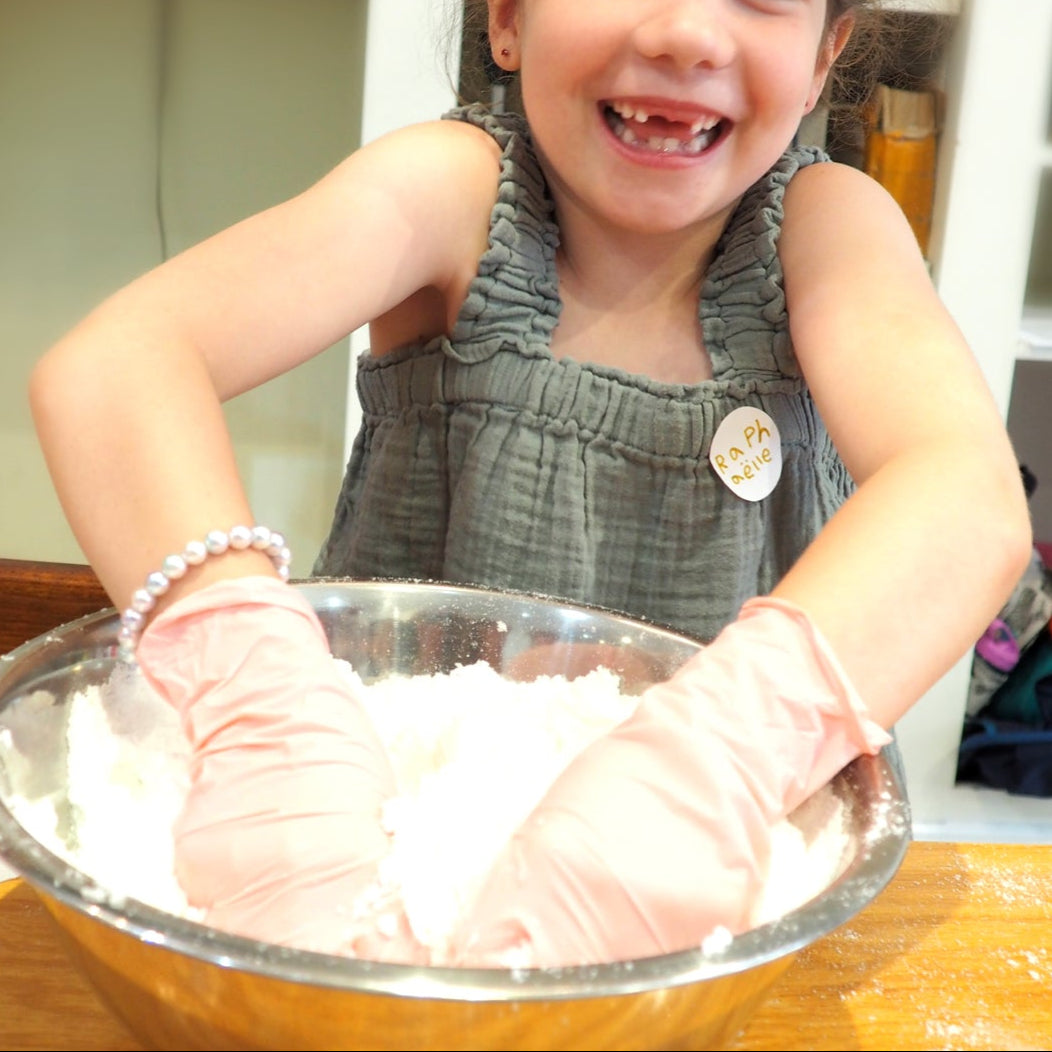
(955,954)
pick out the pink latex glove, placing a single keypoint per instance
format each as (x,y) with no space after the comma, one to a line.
(660,831)
(281,829)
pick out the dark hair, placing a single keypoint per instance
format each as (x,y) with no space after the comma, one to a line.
(477,68)
(899,49)
(836,8)
(854,74)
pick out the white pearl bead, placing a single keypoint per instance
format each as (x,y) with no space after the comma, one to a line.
(195,553)
(157,584)
(240,537)
(261,538)
(173,567)
(217,542)
(143,601)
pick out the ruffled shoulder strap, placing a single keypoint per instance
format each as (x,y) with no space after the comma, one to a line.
(514,297)
(742,309)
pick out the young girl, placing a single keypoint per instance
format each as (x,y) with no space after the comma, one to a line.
(639,352)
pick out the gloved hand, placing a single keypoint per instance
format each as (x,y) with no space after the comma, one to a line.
(281,828)
(660,831)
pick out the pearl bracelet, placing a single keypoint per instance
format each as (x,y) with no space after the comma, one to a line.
(216,542)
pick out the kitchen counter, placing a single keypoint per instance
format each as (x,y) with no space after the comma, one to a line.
(956,953)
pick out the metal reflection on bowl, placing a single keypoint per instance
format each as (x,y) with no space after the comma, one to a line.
(178,984)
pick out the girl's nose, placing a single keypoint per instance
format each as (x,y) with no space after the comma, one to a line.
(686,32)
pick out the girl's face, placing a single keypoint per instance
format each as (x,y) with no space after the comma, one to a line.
(658,114)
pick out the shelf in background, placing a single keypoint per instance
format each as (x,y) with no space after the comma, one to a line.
(1035,335)
(976,814)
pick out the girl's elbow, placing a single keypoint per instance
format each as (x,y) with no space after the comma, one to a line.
(1013,547)
(1023,547)
(58,389)
(42,384)
(48,384)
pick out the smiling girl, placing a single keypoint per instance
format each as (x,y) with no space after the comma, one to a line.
(579,319)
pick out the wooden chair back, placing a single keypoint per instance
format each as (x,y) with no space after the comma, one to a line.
(36,597)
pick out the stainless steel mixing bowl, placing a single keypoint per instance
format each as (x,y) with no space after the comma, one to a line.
(181,985)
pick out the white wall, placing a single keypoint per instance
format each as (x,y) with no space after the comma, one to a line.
(104,159)
(77,215)
(411,60)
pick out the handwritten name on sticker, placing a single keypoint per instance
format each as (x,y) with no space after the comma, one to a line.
(746,453)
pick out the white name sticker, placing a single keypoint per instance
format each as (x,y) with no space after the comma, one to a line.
(746,453)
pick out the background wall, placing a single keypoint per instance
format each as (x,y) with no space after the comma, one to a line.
(130,129)
(1028,424)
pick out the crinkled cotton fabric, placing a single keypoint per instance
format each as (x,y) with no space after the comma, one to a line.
(483,459)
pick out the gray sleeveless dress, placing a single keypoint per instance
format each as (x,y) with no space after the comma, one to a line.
(483,459)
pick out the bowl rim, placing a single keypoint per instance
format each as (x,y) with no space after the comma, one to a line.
(850,892)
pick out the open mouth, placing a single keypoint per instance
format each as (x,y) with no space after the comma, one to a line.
(637,128)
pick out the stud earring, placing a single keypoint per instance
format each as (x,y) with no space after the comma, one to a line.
(504,52)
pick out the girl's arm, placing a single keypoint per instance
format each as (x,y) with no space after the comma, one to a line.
(280,830)
(908,574)
(127,405)
(661,829)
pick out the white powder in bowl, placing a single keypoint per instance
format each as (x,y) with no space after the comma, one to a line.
(448,736)
(473,754)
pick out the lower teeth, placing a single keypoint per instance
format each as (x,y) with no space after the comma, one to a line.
(667,145)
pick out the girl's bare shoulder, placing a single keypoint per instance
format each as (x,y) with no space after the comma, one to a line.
(445,159)
(438,183)
(841,204)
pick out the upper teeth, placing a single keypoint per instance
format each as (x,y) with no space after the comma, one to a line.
(629,112)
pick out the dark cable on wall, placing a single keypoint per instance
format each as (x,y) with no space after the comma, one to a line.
(163,46)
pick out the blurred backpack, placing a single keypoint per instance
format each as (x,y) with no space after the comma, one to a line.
(1006,741)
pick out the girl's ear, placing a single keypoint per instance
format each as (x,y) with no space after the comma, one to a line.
(835,41)
(504,33)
